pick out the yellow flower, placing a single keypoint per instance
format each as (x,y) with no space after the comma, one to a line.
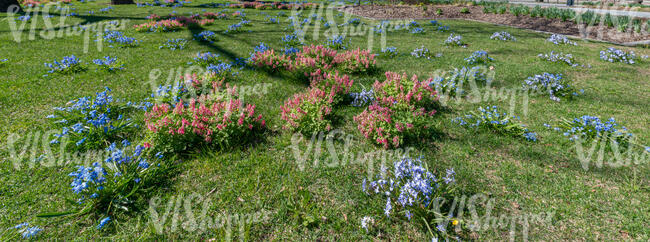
(454,222)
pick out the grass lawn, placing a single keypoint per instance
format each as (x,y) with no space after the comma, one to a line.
(320,202)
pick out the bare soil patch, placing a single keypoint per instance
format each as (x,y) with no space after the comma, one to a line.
(476,13)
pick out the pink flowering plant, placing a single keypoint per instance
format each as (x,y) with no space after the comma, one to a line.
(309,112)
(399,90)
(269,60)
(166,25)
(203,121)
(337,84)
(401,111)
(316,57)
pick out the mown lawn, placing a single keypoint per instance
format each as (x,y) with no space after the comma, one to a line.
(320,202)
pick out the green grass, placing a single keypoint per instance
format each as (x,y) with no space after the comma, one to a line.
(523,177)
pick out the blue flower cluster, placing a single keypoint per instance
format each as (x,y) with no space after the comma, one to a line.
(115,176)
(336,42)
(271,20)
(479,57)
(118,38)
(410,187)
(452,83)
(108,63)
(174,44)
(504,36)
(2,61)
(170,94)
(28,232)
(559,57)
(88,179)
(207,36)
(454,40)
(440,27)
(236,28)
(559,39)
(69,64)
(362,98)
(292,40)
(553,84)
(221,69)
(207,58)
(103,222)
(417,30)
(590,127)
(262,47)
(390,51)
(423,52)
(106,9)
(381,27)
(615,55)
(24,18)
(354,21)
(95,119)
(491,118)
(413,24)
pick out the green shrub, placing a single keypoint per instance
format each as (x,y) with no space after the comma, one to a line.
(537,12)
(464,10)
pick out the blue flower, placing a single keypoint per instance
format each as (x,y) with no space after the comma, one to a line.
(103,222)
(504,36)
(25,224)
(441,228)
(388,207)
(559,39)
(531,136)
(479,57)
(31,232)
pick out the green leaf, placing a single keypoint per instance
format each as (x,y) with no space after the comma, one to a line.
(54,214)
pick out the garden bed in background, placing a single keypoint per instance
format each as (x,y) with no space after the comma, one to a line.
(523,21)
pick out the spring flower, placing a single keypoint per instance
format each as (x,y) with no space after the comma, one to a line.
(207,36)
(336,42)
(479,57)
(454,40)
(362,98)
(389,51)
(365,221)
(109,63)
(174,44)
(559,39)
(504,36)
(491,118)
(69,64)
(553,84)
(103,222)
(559,58)
(417,30)
(615,55)
(31,232)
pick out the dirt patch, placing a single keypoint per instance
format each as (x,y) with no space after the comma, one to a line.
(476,13)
